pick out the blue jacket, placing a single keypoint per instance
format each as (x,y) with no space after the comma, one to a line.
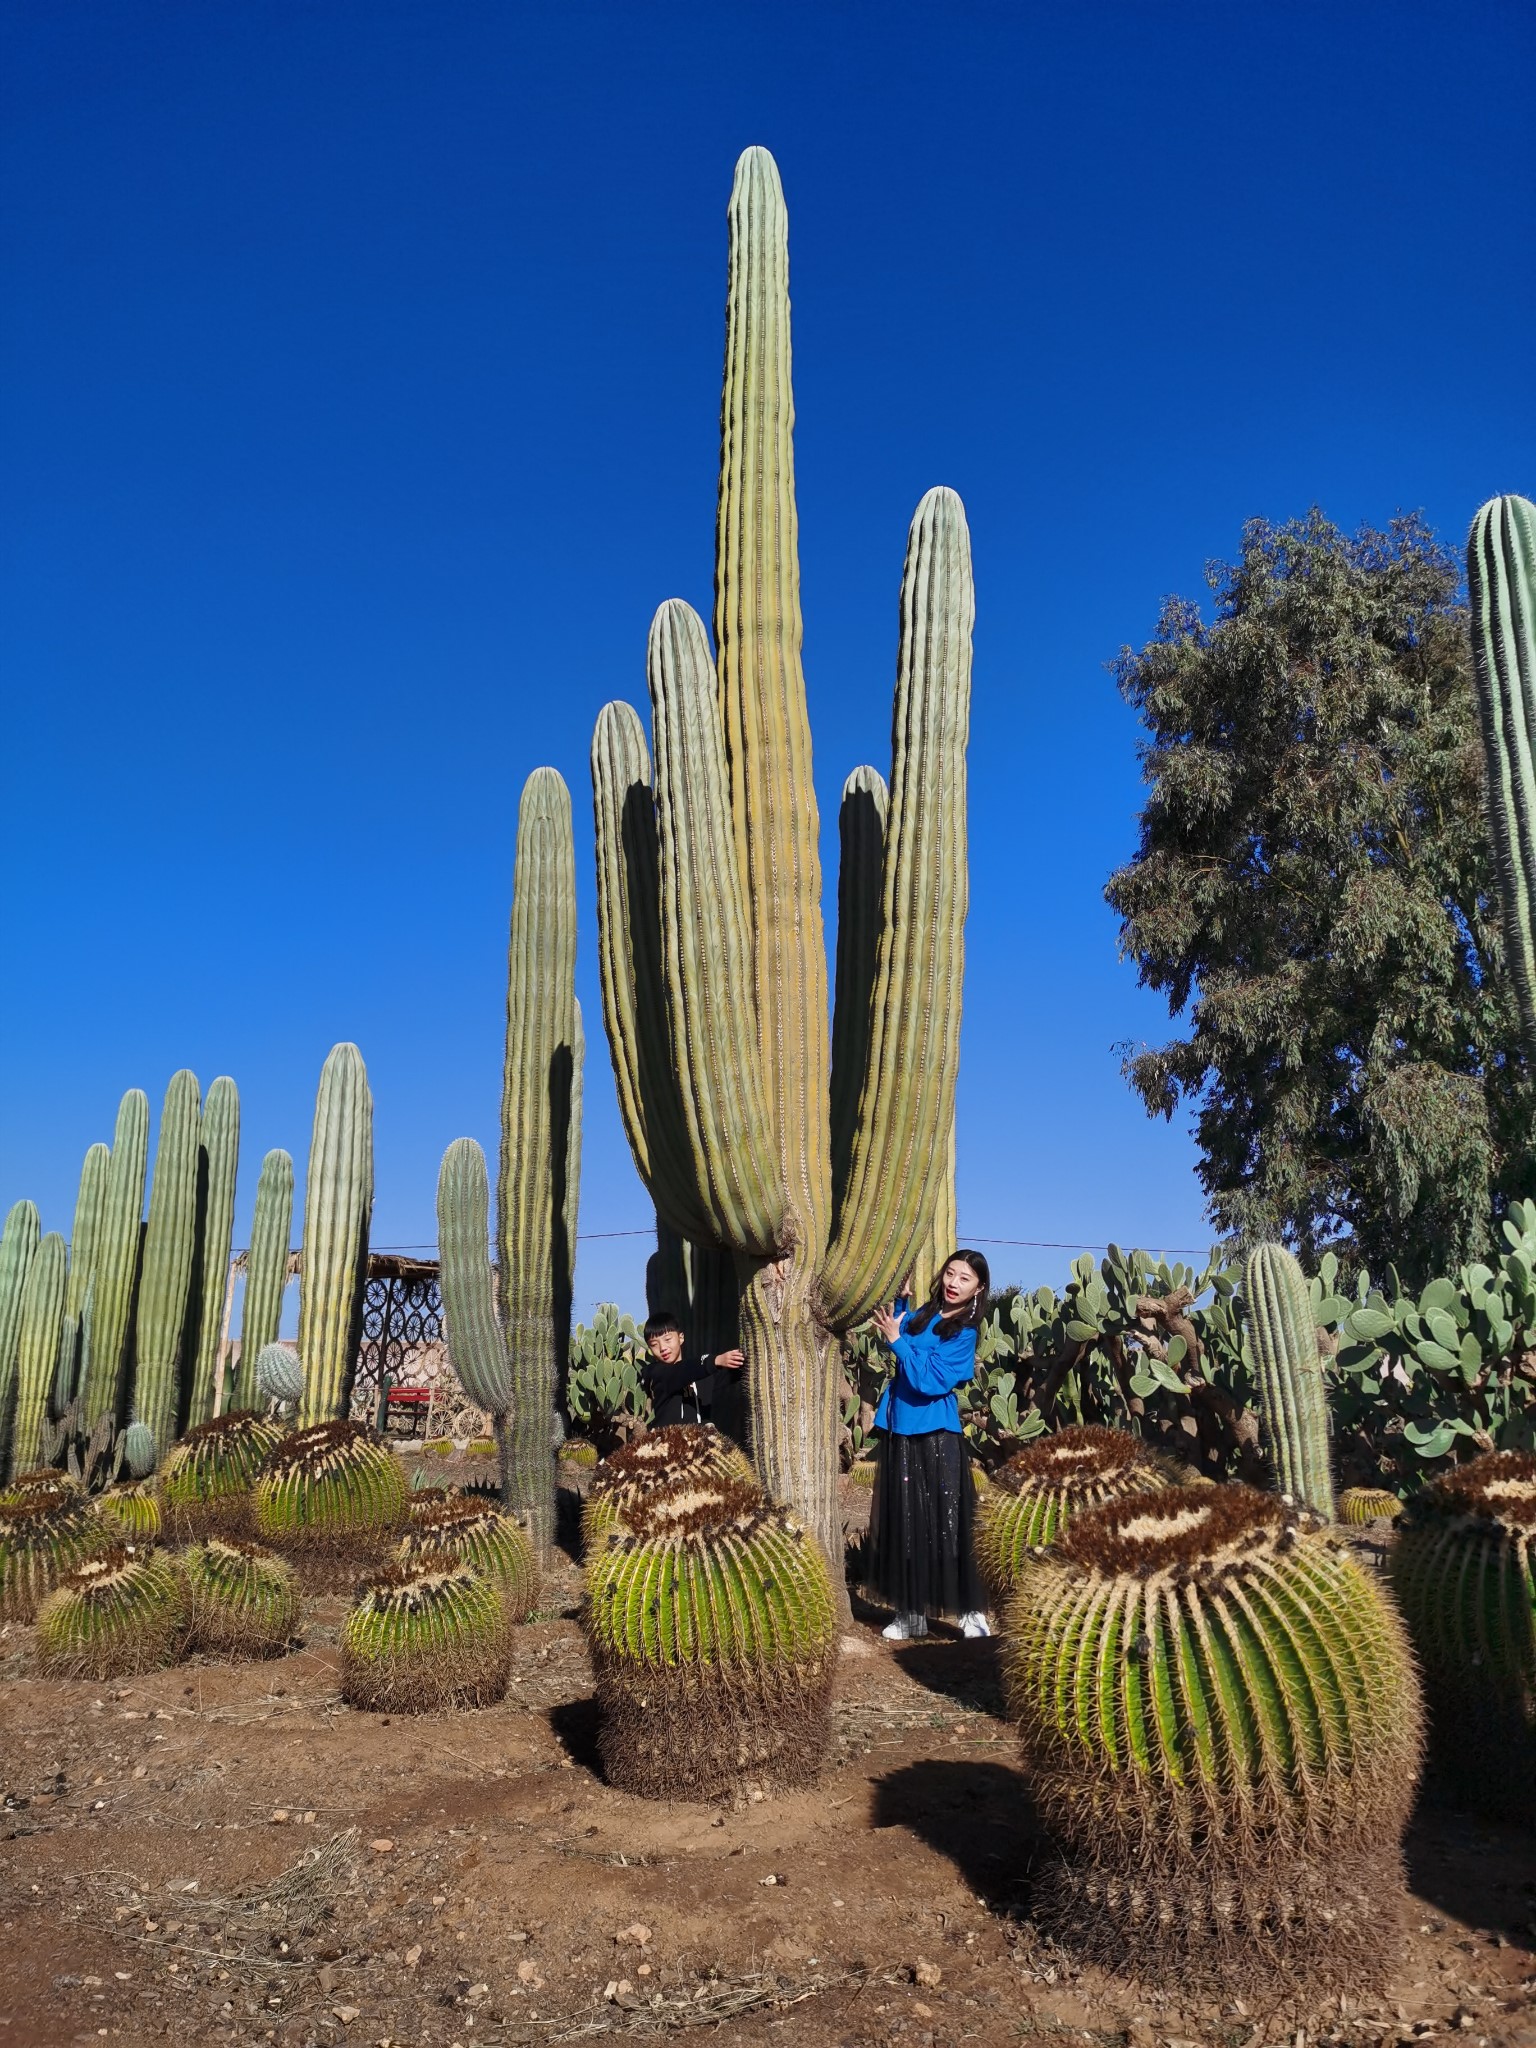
(921,1396)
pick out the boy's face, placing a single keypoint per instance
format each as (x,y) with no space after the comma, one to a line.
(666,1347)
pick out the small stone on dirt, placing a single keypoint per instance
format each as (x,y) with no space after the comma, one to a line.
(380,1847)
(347,2013)
(635,1933)
(413,1955)
(927,1974)
(528,1973)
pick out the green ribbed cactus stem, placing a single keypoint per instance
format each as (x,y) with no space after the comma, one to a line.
(1464,1571)
(208,1482)
(942,1237)
(1360,1505)
(218,1145)
(1290,1391)
(652,1463)
(280,1375)
(41,1538)
(85,1235)
(140,1452)
(116,1615)
(332,1499)
(712,1611)
(242,1601)
(18,1250)
(423,1637)
(1221,1731)
(37,1350)
(170,1244)
(477,1534)
(338,1202)
(475,1343)
(1501,581)
(45,1483)
(1034,1496)
(116,1266)
(266,1266)
(861,817)
(132,1510)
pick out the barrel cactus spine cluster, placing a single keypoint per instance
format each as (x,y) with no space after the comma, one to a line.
(242,1600)
(475,1533)
(207,1484)
(425,1634)
(118,1613)
(652,1462)
(1034,1497)
(332,1499)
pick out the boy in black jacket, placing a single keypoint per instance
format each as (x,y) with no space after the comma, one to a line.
(681,1389)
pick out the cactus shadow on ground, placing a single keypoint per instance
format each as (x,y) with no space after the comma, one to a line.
(977,1815)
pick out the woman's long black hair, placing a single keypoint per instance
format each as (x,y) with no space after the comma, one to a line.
(966,1318)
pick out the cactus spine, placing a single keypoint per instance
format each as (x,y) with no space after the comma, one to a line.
(338,1201)
(1036,1494)
(266,1265)
(42,1317)
(709,897)
(170,1242)
(112,1277)
(1288,1374)
(1501,580)
(218,1163)
(510,1361)
(117,1614)
(18,1251)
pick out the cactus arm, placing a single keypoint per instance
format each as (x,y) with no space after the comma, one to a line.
(907,1102)
(861,848)
(338,1201)
(942,1234)
(1501,580)
(475,1342)
(708,961)
(86,1231)
(762,696)
(18,1255)
(169,1241)
(1288,1374)
(219,1146)
(117,1258)
(266,1265)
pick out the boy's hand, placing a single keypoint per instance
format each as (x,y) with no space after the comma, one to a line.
(730,1361)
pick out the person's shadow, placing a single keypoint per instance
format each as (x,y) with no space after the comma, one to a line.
(978,1815)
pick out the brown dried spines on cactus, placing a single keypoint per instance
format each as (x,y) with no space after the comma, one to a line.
(622,1481)
(1220,1723)
(242,1600)
(477,1533)
(132,1510)
(424,1636)
(207,1481)
(333,1499)
(41,1539)
(1035,1495)
(47,1482)
(1359,1505)
(118,1613)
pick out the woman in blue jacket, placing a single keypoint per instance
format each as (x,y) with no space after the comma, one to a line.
(925,1499)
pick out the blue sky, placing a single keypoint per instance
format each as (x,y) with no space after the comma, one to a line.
(360,382)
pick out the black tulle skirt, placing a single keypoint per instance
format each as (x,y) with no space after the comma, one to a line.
(920,1522)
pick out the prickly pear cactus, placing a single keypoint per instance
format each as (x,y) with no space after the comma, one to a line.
(132,1510)
(208,1480)
(41,1538)
(332,1498)
(424,1636)
(1035,1495)
(1464,1570)
(1359,1505)
(710,1611)
(1221,1728)
(478,1534)
(115,1615)
(242,1600)
(280,1375)
(623,1481)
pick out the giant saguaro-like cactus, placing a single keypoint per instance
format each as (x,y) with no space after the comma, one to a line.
(170,1245)
(42,1316)
(508,1330)
(819,1174)
(84,1237)
(117,1260)
(18,1250)
(1501,578)
(218,1159)
(338,1202)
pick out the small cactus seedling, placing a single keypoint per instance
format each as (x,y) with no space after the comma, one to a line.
(653,1461)
(424,1636)
(711,1612)
(207,1482)
(132,1511)
(42,1538)
(1359,1505)
(242,1601)
(280,1375)
(1464,1571)
(331,1498)
(115,1615)
(478,1534)
(1036,1494)
(1220,1723)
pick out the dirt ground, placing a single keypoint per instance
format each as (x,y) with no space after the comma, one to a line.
(227,1853)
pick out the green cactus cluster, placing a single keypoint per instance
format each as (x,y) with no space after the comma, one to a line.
(1359,1505)
(117,1614)
(603,1390)
(242,1600)
(331,1498)
(133,1510)
(1036,1494)
(1291,1397)
(1220,1722)
(425,1636)
(477,1533)
(42,1537)
(207,1483)
(711,1611)
(623,1481)
(45,1482)
(1464,1571)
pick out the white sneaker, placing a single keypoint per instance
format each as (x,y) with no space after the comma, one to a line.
(905,1627)
(974,1624)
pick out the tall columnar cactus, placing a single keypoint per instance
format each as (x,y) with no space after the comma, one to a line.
(1292,1397)
(170,1245)
(117,1261)
(42,1318)
(266,1265)
(218,1159)
(1220,1724)
(338,1201)
(85,1235)
(18,1251)
(508,1331)
(820,1177)
(1501,578)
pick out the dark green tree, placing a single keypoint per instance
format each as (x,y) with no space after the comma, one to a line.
(1312,893)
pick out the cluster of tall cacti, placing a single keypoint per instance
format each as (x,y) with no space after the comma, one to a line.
(815,1168)
(509,1324)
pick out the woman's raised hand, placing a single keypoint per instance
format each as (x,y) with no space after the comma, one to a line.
(888,1323)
